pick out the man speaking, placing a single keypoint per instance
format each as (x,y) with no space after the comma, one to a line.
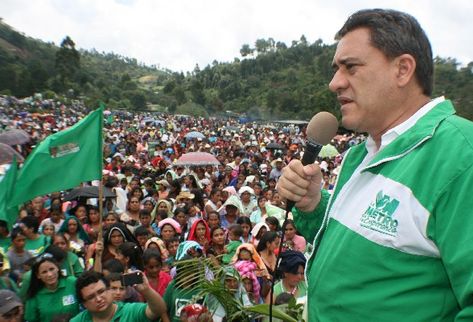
(395,241)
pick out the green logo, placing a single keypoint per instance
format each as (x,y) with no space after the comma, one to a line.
(379,215)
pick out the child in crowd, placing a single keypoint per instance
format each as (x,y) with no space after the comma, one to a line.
(131,256)
(142,235)
(119,292)
(158,279)
(245,224)
(145,221)
(234,235)
(17,254)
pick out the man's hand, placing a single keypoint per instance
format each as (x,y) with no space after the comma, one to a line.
(301,184)
(144,286)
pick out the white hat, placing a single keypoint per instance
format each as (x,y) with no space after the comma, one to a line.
(246,189)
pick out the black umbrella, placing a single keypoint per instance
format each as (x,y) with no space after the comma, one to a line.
(275,146)
(87,192)
(7,153)
(14,137)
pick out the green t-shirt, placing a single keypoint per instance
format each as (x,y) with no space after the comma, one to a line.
(125,312)
(38,245)
(176,298)
(46,304)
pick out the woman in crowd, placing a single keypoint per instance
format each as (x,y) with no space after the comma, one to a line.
(49,293)
(260,213)
(200,233)
(180,215)
(93,223)
(245,224)
(292,240)
(267,247)
(75,233)
(132,215)
(168,228)
(80,211)
(217,245)
(292,269)
(72,264)
(258,231)
(213,219)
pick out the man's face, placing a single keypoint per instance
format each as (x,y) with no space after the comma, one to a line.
(97,298)
(364,82)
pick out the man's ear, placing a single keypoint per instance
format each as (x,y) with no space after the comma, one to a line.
(406,66)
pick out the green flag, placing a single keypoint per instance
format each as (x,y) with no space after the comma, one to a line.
(63,160)
(8,214)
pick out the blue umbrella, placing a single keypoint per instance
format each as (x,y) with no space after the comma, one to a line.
(194,135)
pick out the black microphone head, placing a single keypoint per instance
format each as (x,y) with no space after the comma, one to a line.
(322,128)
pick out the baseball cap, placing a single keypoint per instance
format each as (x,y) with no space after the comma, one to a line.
(8,301)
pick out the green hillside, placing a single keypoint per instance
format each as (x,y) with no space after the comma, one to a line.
(272,80)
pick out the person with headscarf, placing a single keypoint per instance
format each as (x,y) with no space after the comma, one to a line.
(258,231)
(247,269)
(231,280)
(182,288)
(291,269)
(75,233)
(200,232)
(114,236)
(167,228)
(162,210)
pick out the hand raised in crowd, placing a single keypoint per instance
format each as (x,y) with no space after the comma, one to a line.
(301,184)
(143,287)
(99,247)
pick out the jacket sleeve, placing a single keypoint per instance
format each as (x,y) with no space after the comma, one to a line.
(451,229)
(308,223)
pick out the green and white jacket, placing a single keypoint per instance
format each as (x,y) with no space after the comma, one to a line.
(398,230)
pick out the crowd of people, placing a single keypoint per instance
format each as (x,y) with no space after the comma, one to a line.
(162,212)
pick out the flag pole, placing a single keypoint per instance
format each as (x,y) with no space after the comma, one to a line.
(100,234)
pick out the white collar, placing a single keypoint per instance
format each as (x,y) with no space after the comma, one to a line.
(396,131)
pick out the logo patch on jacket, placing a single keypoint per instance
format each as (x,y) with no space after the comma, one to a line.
(380,215)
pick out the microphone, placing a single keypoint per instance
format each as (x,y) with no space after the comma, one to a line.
(321,129)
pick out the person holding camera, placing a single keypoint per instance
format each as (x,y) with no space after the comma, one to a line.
(93,292)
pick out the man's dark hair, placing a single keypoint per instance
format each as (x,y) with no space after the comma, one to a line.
(141,231)
(87,278)
(396,33)
(112,277)
(31,222)
(113,266)
(144,212)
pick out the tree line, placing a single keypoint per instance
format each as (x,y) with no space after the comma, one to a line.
(270,80)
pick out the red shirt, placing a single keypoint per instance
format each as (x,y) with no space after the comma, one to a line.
(163,280)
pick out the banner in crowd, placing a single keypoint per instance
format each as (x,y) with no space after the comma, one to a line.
(8,214)
(62,161)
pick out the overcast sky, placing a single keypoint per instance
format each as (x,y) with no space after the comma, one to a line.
(178,34)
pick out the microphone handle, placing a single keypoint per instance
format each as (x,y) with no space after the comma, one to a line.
(311,152)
